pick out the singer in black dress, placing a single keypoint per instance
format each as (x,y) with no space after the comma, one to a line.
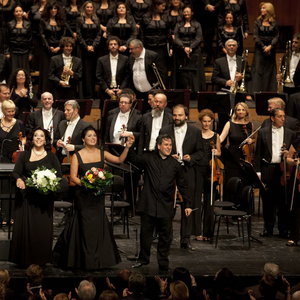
(87,242)
(33,227)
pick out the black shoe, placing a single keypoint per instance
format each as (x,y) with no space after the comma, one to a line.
(187,246)
(266,234)
(291,243)
(139,264)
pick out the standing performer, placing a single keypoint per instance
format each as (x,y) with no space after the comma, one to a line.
(157,200)
(268,156)
(265,35)
(87,242)
(33,227)
(187,150)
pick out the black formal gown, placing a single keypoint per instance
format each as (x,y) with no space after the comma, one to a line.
(190,70)
(224,35)
(20,44)
(88,35)
(264,65)
(33,227)
(87,242)
(71,20)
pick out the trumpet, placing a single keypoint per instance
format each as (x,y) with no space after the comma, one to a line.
(288,82)
(66,77)
(242,87)
(160,84)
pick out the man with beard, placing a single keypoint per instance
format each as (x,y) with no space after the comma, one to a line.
(187,150)
(152,122)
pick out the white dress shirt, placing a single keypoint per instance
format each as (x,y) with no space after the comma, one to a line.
(156,126)
(67,60)
(179,133)
(277,142)
(140,80)
(113,66)
(232,66)
(69,131)
(293,63)
(48,121)
(120,126)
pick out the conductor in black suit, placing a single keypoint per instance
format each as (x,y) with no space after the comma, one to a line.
(112,70)
(65,71)
(141,67)
(187,150)
(47,117)
(268,156)
(69,130)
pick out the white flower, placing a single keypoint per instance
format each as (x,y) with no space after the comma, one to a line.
(101,175)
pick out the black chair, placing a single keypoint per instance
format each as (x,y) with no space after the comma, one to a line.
(116,192)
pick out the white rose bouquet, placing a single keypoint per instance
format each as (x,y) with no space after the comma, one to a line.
(97,179)
(44,180)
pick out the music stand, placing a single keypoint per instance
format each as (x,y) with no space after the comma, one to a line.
(178,96)
(218,102)
(261,101)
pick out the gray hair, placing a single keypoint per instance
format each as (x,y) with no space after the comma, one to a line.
(73,103)
(136,43)
(230,41)
(46,93)
(86,290)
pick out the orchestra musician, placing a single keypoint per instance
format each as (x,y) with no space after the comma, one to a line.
(47,118)
(69,130)
(65,71)
(271,142)
(187,150)
(4,95)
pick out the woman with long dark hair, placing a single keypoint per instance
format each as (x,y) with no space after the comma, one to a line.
(52,29)
(89,36)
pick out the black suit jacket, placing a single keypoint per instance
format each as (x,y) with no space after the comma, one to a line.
(221,71)
(293,106)
(263,154)
(134,125)
(150,58)
(191,143)
(103,72)
(296,78)
(146,129)
(35,119)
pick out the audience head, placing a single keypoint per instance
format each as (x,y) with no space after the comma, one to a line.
(89,136)
(8,108)
(182,274)
(137,283)
(296,295)
(71,109)
(86,290)
(136,47)
(231,47)
(271,270)
(39,136)
(34,273)
(4,92)
(4,281)
(296,42)
(67,45)
(61,296)
(277,117)
(241,111)
(20,76)
(160,102)
(108,295)
(164,144)
(113,45)
(47,100)
(179,290)
(125,103)
(267,11)
(180,114)
(275,102)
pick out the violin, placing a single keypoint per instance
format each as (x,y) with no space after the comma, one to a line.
(217,167)
(285,168)
(247,149)
(67,160)
(21,143)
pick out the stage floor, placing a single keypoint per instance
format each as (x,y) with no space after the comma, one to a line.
(204,261)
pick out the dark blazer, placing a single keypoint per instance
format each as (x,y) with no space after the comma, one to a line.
(134,125)
(150,57)
(191,143)
(35,119)
(103,72)
(263,154)
(221,71)
(146,128)
(76,136)
(293,106)
(296,78)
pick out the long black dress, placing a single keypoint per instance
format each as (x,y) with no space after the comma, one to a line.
(264,65)
(33,227)
(87,242)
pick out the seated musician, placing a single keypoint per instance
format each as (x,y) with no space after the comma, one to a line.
(70,130)
(47,117)
(65,71)
(4,95)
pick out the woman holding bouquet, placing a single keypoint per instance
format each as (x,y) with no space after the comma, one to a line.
(87,241)
(32,231)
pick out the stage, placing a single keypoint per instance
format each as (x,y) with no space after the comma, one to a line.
(204,262)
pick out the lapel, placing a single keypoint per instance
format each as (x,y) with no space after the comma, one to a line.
(119,64)
(226,68)
(40,120)
(112,126)
(269,140)
(186,139)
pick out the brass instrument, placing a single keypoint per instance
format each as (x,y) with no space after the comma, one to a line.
(66,77)
(279,82)
(242,87)
(160,84)
(234,88)
(115,95)
(287,81)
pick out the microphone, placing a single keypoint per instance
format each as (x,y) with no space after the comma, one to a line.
(2,146)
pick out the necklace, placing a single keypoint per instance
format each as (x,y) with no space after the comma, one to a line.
(38,154)
(5,126)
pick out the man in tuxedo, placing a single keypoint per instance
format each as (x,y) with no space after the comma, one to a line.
(112,71)
(65,71)
(187,150)
(141,66)
(47,117)
(70,130)
(269,154)
(152,122)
